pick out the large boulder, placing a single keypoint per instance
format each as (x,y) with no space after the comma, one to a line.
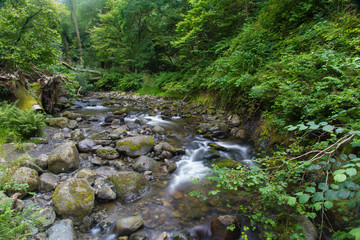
(215,129)
(64,158)
(144,163)
(74,199)
(225,162)
(60,122)
(25,175)
(130,186)
(107,153)
(136,146)
(128,225)
(117,133)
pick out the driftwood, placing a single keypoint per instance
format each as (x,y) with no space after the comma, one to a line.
(79,69)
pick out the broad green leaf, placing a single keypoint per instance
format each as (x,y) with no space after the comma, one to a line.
(334,186)
(337,165)
(328,204)
(328,128)
(304,198)
(310,123)
(343,157)
(323,123)
(314,127)
(292,128)
(318,206)
(339,130)
(323,186)
(343,193)
(339,171)
(291,201)
(310,189)
(331,195)
(340,178)
(356,233)
(352,156)
(351,172)
(318,196)
(302,127)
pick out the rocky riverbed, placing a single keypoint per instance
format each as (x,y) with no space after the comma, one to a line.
(121,166)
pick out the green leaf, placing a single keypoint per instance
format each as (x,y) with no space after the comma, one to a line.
(334,186)
(328,128)
(353,156)
(337,165)
(339,171)
(339,130)
(318,206)
(328,204)
(310,189)
(304,198)
(314,127)
(343,157)
(318,196)
(343,193)
(340,178)
(302,127)
(291,201)
(323,123)
(331,195)
(351,172)
(323,186)
(356,233)
(292,128)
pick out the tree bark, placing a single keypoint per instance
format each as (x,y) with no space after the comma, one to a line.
(66,47)
(73,13)
(79,69)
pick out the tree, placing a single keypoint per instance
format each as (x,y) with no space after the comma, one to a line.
(28,32)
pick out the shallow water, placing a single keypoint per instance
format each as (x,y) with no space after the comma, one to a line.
(169,207)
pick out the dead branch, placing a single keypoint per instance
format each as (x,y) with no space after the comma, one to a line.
(79,69)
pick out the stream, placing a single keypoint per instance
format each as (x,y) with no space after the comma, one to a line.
(200,135)
(168,207)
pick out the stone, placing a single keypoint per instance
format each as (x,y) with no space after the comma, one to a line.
(73,124)
(77,135)
(60,122)
(159,130)
(308,228)
(130,186)
(217,147)
(107,153)
(117,133)
(42,161)
(128,225)
(225,162)
(136,146)
(219,226)
(121,111)
(61,230)
(241,133)
(25,175)
(139,235)
(235,120)
(64,158)
(211,154)
(87,174)
(141,121)
(86,145)
(105,171)
(215,129)
(48,182)
(165,155)
(105,193)
(144,163)
(133,125)
(163,236)
(46,217)
(74,199)
(164,146)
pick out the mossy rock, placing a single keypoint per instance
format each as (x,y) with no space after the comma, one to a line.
(74,199)
(135,146)
(225,162)
(130,186)
(25,176)
(64,158)
(107,153)
(60,122)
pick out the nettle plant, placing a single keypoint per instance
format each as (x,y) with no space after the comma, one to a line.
(321,184)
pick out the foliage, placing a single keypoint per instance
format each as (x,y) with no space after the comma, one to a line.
(28,32)
(17,125)
(130,82)
(321,183)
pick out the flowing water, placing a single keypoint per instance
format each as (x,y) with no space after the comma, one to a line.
(169,207)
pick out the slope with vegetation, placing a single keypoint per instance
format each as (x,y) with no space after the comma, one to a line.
(289,68)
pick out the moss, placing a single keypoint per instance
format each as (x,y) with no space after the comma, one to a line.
(132,147)
(26,101)
(225,162)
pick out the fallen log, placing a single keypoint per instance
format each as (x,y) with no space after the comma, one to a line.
(79,69)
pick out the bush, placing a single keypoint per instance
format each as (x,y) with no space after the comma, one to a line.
(17,125)
(109,80)
(130,82)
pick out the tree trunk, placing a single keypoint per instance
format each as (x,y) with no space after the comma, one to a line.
(66,47)
(73,13)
